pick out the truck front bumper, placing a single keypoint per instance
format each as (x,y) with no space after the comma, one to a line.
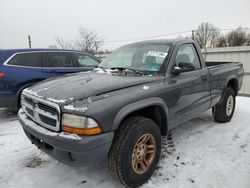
(67,148)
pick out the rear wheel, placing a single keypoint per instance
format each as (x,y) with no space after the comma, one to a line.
(223,112)
(135,152)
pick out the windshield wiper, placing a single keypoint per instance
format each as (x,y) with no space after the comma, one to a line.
(126,70)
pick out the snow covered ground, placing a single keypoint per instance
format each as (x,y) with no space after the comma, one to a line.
(207,155)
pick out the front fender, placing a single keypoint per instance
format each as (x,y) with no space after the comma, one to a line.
(132,107)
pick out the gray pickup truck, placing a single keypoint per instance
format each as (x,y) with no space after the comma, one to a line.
(120,110)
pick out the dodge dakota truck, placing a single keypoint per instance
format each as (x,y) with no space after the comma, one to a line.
(119,111)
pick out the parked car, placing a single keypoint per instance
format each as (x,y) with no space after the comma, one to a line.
(21,68)
(120,111)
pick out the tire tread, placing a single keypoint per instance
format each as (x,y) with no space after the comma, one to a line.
(220,111)
(121,135)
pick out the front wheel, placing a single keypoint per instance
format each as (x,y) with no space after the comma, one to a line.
(135,152)
(223,112)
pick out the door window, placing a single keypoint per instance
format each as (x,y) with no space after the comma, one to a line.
(27,59)
(85,61)
(187,54)
(58,59)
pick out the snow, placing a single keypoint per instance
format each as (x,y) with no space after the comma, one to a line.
(71,98)
(145,87)
(35,93)
(29,91)
(89,100)
(57,100)
(207,155)
(69,136)
(101,71)
(71,107)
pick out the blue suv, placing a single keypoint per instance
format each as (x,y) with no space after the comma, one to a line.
(21,68)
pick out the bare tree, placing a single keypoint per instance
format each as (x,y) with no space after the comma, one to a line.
(248,39)
(206,35)
(222,41)
(61,43)
(88,40)
(237,37)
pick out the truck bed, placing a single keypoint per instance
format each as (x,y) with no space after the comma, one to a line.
(218,63)
(219,72)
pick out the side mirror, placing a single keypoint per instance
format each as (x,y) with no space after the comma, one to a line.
(183,67)
(186,66)
(176,70)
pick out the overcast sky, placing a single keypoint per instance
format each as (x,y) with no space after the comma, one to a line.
(113,19)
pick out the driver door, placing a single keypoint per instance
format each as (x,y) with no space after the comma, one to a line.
(191,86)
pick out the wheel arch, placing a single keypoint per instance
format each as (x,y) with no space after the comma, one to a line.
(233,83)
(152,108)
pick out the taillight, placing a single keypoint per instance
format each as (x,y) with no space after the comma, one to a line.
(1,74)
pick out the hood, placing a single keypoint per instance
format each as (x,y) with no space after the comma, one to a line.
(83,85)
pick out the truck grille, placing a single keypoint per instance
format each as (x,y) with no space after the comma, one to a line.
(45,113)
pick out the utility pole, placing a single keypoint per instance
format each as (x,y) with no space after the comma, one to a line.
(193,34)
(29,39)
(96,45)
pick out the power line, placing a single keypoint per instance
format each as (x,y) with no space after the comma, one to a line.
(149,37)
(168,34)
(243,28)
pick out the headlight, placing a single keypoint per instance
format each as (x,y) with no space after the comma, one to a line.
(80,125)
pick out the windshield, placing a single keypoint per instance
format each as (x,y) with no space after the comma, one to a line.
(146,57)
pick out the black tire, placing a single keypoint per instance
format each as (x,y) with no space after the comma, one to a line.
(16,107)
(120,154)
(220,112)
